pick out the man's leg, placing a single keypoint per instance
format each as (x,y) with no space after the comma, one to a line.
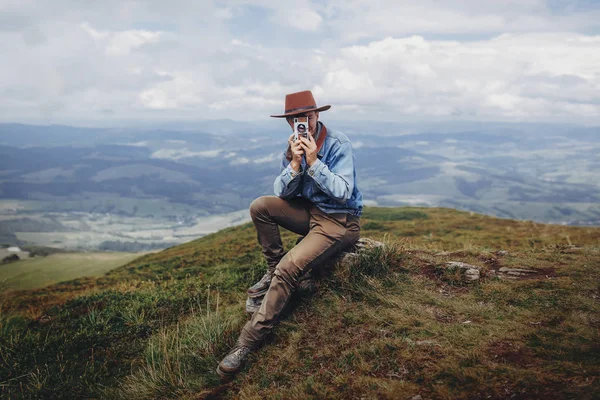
(329,234)
(268,212)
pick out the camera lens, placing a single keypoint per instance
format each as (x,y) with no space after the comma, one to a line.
(301,128)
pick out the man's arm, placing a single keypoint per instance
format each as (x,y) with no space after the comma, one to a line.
(337,180)
(287,183)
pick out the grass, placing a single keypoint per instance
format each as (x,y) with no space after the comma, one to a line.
(42,271)
(389,323)
(396,333)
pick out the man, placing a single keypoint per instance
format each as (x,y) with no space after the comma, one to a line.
(317,197)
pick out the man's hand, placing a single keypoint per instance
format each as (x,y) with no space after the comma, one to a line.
(310,149)
(297,152)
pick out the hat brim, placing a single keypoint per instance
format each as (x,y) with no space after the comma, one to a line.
(322,108)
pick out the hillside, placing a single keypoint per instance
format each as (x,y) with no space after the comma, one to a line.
(42,271)
(393,323)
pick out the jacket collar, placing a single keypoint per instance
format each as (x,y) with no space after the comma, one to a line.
(321,135)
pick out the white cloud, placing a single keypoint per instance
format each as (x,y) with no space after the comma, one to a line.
(223,13)
(267,159)
(123,42)
(240,161)
(143,61)
(176,154)
(299,17)
(356,19)
(157,99)
(135,144)
(502,77)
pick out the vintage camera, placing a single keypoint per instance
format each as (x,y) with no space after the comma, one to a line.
(300,127)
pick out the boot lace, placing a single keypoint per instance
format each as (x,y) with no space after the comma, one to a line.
(239,353)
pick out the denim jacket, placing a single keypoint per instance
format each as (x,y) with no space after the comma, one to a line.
(330,183)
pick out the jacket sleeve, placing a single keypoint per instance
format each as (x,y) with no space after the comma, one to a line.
(287,183)
(337,179)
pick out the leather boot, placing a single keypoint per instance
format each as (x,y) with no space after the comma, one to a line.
(260,288)
(233,361)
(253,304)
(306,284)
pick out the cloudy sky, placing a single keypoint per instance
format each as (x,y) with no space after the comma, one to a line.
(68,61)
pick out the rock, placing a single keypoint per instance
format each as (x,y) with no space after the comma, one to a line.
(360,245)
(472,275)
(417,397)
(10,258)
(501,253)
(573,249)
(366,243)
(44,319)
(347,257)
(516,271)
(469,273)
(460,264)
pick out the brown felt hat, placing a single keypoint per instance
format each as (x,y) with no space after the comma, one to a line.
(300,103)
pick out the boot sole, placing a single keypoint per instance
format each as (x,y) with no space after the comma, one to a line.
(225,375)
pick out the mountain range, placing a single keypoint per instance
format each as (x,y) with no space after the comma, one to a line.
(167,181)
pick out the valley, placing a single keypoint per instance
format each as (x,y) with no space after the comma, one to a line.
(139,189)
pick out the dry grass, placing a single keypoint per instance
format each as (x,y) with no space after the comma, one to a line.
(408,334)
(391,324)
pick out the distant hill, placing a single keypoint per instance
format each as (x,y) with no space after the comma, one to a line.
(394,323)
(526,171)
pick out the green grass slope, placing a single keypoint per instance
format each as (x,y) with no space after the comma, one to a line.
(391,324)
(42,271)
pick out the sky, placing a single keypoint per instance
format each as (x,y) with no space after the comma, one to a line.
(106,62)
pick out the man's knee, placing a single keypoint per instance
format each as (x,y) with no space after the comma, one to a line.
(288,271)
(260,205)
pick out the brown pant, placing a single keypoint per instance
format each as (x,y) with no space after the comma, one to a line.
(325,235)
